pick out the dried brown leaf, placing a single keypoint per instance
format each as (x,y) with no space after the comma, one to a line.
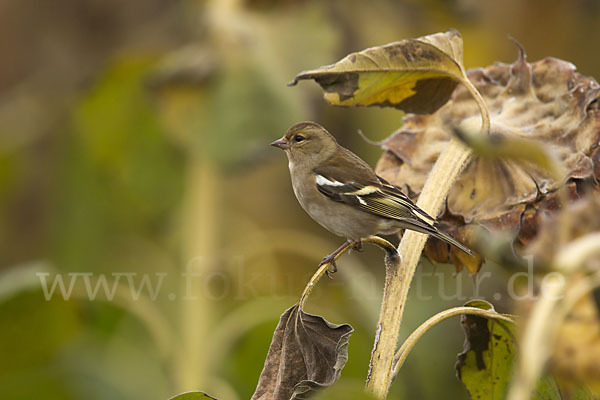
(306,353)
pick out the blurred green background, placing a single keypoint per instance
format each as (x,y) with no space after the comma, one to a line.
(133,148)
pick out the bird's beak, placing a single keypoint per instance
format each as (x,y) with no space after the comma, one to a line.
(281,143)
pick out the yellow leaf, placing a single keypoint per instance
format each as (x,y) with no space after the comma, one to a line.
(414,75)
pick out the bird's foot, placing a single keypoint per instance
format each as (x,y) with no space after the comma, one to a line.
(331,258)
(332,269)
(358,246)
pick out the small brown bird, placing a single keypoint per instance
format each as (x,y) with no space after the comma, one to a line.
(342,193)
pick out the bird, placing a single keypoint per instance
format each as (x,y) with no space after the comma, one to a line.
(343,194)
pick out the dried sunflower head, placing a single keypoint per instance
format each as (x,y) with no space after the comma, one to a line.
(546,102)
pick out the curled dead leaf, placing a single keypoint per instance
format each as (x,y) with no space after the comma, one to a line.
(547,103)
(306,353)
(414,75)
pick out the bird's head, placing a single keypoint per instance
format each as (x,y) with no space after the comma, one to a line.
(307,142)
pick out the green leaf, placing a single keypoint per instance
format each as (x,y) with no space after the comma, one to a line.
(485,365)
(307,353)
(414,75)
(193,396)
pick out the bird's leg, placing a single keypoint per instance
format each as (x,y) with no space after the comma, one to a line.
(358,246)
(331,257)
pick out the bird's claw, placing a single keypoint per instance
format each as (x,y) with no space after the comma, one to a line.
(358,246)
(332,269)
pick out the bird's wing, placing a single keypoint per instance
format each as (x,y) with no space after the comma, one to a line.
(370,193)
(353,182)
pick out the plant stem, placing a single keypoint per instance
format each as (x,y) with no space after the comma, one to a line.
(437,186)
(200,208)
(376,240)
(414,337)
(483,110)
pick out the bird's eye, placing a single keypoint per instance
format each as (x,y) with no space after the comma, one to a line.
(299,138)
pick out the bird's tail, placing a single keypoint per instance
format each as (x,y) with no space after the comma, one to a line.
(449,239)
(423,225)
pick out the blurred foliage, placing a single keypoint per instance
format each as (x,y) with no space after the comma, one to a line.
(104,130)
(115,156)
